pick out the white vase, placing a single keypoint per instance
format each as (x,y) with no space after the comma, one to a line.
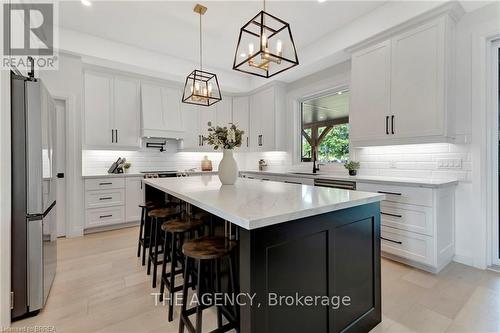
(228,169)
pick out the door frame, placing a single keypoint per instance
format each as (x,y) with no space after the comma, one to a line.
(73,170)
(493,108)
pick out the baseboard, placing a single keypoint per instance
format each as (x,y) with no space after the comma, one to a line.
(111,227)
(466,260)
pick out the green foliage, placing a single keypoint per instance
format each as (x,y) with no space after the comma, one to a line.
(333,148)
(351,165)
(224,137)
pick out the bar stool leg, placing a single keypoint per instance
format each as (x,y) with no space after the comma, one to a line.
(218,290)
(155,254)
(233,285)
(152,235)
(199,315)
(173,265)
(163,268)
(141,236)
(146,232)
(184,293)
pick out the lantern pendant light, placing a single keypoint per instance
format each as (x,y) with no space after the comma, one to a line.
(201,87)
(265,46)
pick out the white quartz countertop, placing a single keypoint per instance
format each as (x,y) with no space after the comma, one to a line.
(253,204)
(138,174)
(432,183)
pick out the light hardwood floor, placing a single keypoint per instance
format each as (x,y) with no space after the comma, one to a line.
(101,286)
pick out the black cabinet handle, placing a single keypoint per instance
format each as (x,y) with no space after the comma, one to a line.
(105,183)
(105,198)
(260,140)
(389,214)
(392,193)
(289,182)
(266,179)
(116,135)
(60,175)
(392,124)
(112,136)
(247,141)
(390,240)
(104,216)
(387,125)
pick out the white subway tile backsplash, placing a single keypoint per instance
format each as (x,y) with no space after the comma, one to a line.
(415,161)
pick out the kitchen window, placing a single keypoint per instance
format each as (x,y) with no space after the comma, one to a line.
(325,125)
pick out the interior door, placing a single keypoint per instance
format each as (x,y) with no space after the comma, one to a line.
(126,115)
(60,162)
(370,93)
(98,105)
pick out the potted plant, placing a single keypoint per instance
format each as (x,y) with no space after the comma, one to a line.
(126,166)
(352,166)
(226,138)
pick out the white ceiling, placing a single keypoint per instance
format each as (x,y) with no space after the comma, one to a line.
(171,27)
(329,107)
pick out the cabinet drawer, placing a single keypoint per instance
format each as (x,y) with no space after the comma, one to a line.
(104,183)
(104,216)
(408,245)
(104,198)
(407,217)
(403,194)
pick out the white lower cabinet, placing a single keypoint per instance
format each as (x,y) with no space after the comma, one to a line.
(418,225)
(112,200)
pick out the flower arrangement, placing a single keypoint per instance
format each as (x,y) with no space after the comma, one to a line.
(224,137)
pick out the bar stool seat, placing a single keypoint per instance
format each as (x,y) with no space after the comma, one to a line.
(174,231)
(144,229)
(207,251)
(206,248)
(180,225)
(158,215)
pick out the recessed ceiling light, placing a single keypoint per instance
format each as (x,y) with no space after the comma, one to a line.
(320,1)
(339,93)
(86,3)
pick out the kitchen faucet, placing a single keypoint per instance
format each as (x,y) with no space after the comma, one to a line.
(315,168)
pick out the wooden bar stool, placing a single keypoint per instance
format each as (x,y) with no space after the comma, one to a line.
(206,251)
(175,231)
(145,226)
(158,216)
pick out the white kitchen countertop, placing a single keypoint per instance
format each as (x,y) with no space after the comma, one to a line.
(253,204)
(432,183)
(138,174)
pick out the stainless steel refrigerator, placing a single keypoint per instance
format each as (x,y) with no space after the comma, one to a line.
(34,234)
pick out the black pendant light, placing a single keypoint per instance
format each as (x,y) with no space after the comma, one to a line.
(201,87)
(265,46)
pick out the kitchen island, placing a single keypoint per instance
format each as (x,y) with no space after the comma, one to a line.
(310,255)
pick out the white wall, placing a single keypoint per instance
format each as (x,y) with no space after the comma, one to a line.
(66,83)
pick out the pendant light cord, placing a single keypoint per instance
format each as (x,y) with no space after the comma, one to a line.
(201,52)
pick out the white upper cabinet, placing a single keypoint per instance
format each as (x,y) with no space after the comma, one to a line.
(370,92)
(267,123)
(401,88)
(111,111)
(418,81)
(223,112)
(241,118)
(127,105)
(196,119)
(98,109)
(161,111)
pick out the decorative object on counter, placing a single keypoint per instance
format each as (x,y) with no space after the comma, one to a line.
(115,167)
(275,51)
(201,87)
(352,166)
(226,138)
(262,165)
(206,164)
(126,166)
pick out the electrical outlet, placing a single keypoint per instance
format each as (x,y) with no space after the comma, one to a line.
(392,164)
(449,163)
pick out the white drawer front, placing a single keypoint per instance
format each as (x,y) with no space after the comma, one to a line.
(403,194)
(104,183)
(408,245)
(108,198)
(407,217)
(104,216)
